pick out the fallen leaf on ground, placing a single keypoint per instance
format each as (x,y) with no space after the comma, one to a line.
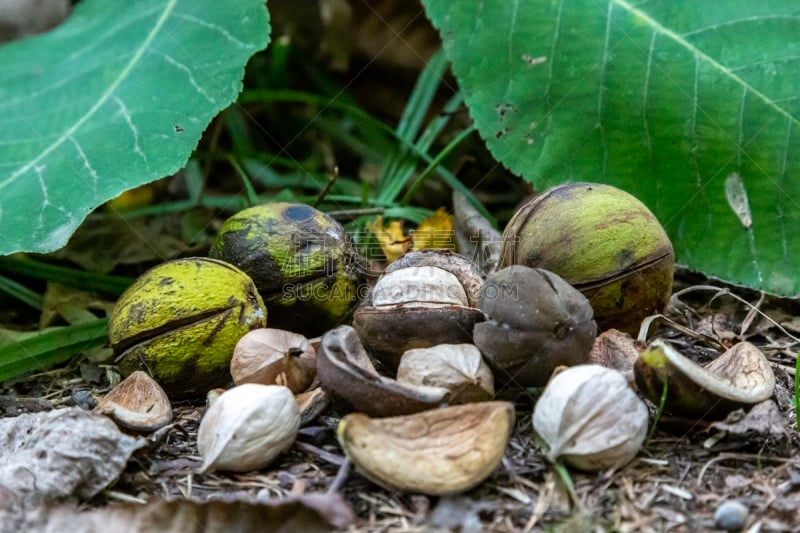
(435,232)
(394,243)
(61,453)
(307,513)
(764,419)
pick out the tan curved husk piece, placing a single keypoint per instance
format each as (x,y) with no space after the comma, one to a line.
(740,376)
(441,451)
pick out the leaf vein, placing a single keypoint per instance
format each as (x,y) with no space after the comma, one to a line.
(222,31)
(104,97)
(186,70)
(126,114)
(601,89)
(680,40)
(755,18)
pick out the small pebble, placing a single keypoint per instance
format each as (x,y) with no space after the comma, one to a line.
(731,516)
(82,398)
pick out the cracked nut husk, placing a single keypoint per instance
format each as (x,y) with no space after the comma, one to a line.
(180,321)
(603,241)
(436,452)
(739,377)
(300,260)
(247,427)
(346,372)
(536,322)
(421,300)
(274,357)
(459,368)
(137,403)
(589,417)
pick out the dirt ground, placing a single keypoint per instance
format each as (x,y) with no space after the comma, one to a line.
(687,470)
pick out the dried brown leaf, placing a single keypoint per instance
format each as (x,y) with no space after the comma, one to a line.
(61,453)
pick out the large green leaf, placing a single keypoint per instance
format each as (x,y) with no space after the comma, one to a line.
(114,98)
(692,106)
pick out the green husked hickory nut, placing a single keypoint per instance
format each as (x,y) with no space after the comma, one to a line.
(601,240)
(180,322)
(300,261)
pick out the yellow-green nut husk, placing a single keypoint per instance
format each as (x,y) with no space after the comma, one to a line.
(300,260)
(180,322)
(604,242)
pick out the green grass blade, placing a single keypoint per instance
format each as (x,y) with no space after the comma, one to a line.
(48,347)
(287,96)
(252,195)
(356,113)
(396,171)
(30,268)
(406,167)
(21,293)
(421,96)
(433,165)
(660,410)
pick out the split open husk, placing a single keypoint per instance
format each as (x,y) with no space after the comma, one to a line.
(739,377)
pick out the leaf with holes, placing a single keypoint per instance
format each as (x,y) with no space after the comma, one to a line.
(116,97)
(691,106)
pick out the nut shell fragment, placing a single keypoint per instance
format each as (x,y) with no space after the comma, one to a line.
(137,403)
(247,427)
(440,451)
(590,418)
(312,403)
(740,377)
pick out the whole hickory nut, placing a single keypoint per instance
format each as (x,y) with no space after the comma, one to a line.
(247,427)
(590,418)
(274,357)
(180,321)
(300,260)
(603,241)
(536,322)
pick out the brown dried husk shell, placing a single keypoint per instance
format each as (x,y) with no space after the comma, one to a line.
(739,377)
(436,452)
(537,322)
(345,371)
(443,311)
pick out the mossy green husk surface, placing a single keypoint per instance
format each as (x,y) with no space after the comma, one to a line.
(604,242)
(180,322)
(300,261)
